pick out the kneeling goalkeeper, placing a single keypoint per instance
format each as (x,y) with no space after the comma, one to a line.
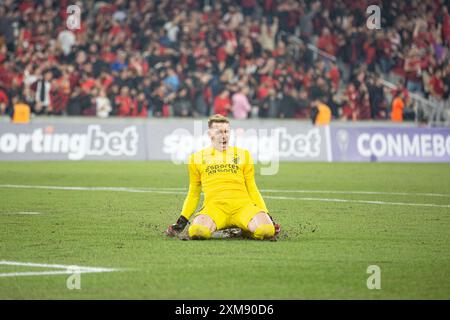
(232,198)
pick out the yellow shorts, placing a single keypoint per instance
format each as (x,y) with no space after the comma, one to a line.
(230,213)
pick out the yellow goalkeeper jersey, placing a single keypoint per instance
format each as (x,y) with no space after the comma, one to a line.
(227,175)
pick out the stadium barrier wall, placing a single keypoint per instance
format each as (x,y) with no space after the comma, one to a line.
(174,139)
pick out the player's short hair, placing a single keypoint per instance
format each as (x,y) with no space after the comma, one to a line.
(217,118)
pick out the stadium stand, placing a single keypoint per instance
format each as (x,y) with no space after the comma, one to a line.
(183,58)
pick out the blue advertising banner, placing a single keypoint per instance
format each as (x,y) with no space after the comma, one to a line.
(390,144)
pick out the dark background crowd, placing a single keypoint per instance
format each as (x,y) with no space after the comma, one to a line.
(247,58)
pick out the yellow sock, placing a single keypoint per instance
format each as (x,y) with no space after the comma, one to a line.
(264,231)
(197,231)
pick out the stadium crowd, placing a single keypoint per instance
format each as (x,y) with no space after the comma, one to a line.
(245,58)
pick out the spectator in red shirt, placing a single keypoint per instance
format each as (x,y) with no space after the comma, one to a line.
(437,90)
(124,103)
(364,107)
(334,76)
(350,110)
(437,85)
(413,71)
(4,101)
(327,42)
(222,103)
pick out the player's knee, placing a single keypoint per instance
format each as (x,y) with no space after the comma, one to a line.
(197,231)
(261,218)
(264,231)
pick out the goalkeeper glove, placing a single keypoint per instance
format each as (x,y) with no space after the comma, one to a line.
(177,227)
(277,226)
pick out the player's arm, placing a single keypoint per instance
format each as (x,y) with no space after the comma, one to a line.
(250,183)
(191,202)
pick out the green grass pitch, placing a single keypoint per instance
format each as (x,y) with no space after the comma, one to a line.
(323,253)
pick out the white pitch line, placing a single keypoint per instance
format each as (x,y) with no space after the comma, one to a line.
(68,269)
(165,191)
(21,212)
(36,273)
(120,189)
(361,201)
(358,192)
(45,273)
(55,266)
(183,190)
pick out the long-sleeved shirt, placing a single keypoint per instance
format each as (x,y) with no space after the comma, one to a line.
(227,175)
(241,107)
(43,92)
